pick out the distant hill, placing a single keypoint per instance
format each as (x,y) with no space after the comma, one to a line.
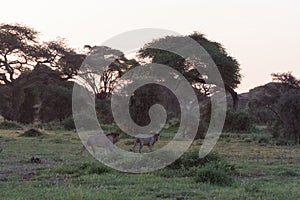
(271,89)
(242,103)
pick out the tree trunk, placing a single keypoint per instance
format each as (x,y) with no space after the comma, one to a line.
(234,96)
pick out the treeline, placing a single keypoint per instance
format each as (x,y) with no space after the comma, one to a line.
(36,76)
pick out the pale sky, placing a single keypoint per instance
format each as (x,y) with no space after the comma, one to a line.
(263,35)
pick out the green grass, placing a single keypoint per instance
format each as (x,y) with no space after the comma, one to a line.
(260,171)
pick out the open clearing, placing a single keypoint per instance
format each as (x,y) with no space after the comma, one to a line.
(264,171)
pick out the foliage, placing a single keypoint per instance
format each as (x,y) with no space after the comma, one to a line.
(32,133)
(18,46)
(212,175)
(238,121)
(227,65)
(56,103)
(275,128)
(6,125)
(32,73)
(287,78)
(69,124)
(38,95)
(103,67)
(191,159)
(210,169)
(280,103)
(263,102)
(264,140)
(148,95)
(290,115)
(20,51)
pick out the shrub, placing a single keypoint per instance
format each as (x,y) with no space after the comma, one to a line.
(289,112)
(210,169)
(282,142)
(264,140)
(191,159)
(10,126)
(238,121)
(213,175)
(69,123)
(275,128)
(32,133)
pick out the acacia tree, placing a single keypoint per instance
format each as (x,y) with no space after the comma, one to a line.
(61,58)
(287,79)
(228,66)
(113,64)
(18,47)
(20,51)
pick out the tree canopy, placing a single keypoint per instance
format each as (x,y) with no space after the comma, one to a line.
(34,74)
(228,66)
(102,68)
(37,95)
(21,50)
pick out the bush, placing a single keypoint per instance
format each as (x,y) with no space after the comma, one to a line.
(10,126)
(283,142)
(210,169)
(32,133)
(275,128)
(191,159)
(238,121)
(50,126)
(212,175)
(289,112)
(69,124)
(264,140)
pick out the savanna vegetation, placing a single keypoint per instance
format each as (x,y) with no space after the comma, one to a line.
(256,157)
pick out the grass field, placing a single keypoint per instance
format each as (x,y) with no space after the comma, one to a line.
(262,171)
